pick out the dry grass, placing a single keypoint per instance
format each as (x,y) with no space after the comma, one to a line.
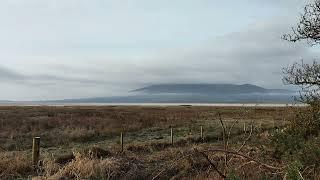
(89,166)
(14,165)
(147,147)
(64,125)
(84,168)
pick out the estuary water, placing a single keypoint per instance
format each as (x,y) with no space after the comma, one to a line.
(157,104)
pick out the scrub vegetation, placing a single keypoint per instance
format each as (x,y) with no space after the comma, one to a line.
(83,143)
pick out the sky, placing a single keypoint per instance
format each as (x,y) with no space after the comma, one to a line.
(57,49)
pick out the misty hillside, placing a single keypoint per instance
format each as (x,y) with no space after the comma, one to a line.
(207,89)
(195,93)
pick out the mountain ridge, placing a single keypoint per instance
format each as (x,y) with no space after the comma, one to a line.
(190,93)
(207,89)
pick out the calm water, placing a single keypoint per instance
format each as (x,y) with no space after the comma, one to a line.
(152,104)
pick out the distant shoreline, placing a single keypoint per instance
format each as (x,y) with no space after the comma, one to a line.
(159,104)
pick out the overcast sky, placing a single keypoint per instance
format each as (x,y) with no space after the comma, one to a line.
(88,48)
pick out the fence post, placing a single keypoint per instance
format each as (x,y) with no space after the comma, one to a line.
(273,124)
(35,151)
(260,124)
(201,132)
(244,127)
(171,136)
(121,141)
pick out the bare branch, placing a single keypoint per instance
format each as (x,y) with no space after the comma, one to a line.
(230,130)
(224,142)
(244,142)
(307,76)
(247,139)
(223,131)
(245,156)
(213,165)
(308,27)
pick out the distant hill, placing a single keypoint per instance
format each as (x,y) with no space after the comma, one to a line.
(5,101)
(185,98)
(194,93)
(207,89)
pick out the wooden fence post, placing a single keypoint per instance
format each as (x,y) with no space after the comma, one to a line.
(171,136)
(201,132)
(244,127)
(260,124)
(273,124)
(35,151)
(121,141)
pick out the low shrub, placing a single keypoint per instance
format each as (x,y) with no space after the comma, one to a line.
(14,165)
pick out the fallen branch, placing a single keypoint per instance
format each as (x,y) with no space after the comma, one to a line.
(203,152)
(244,165)
(175,161)
(244,156)
(213,165)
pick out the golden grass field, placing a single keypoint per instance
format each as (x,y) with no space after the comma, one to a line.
(82,142)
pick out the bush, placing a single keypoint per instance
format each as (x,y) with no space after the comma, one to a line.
(293,171)
(287,144)
(299,143)
(306,122)
(310,154)
(233,176)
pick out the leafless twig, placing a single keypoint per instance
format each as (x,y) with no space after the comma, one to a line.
(230,130)
(244,142)
(247,139)
(244,165)
(212,164)
(224,143)
(244,156)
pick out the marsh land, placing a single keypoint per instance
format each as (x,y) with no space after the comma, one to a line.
(83,142)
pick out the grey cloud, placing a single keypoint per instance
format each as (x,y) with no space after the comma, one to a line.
(53,78)
(254,56)
(8,74)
